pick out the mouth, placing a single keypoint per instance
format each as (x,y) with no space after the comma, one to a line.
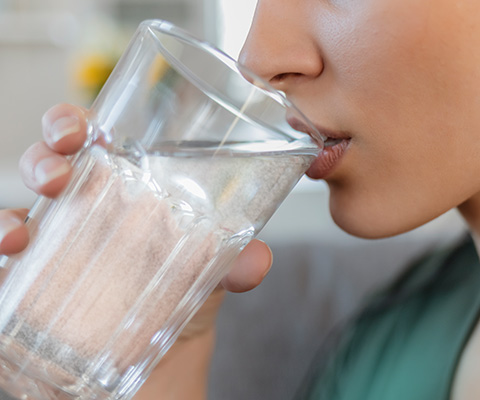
(330,142)
(335,144)
(329,158)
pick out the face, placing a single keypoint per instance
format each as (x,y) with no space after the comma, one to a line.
(397,83)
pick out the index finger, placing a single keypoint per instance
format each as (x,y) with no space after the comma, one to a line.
(65,128)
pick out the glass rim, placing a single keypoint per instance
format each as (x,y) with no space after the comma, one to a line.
(279,97)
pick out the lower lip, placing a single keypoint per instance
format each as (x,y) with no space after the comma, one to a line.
(327,160)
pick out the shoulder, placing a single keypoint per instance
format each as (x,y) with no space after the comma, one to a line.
(418,323)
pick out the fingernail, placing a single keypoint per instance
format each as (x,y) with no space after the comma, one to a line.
(7,225)
(63,127)
(49,169)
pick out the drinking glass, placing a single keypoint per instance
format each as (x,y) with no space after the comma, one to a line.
(188,156)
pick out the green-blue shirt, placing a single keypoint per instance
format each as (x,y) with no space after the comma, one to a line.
(408,349)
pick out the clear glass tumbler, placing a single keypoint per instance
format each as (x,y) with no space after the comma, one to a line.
(188,156)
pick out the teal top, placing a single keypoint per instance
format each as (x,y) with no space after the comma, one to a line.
(408,348)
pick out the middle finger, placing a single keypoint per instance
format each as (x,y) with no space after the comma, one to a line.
(45,171)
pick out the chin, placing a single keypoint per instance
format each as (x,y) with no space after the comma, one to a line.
(362,229)
(370,222)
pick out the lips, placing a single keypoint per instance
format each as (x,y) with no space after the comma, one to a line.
(335,144)
(328,158)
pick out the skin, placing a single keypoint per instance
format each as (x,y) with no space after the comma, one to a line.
(401,79)
(393,77)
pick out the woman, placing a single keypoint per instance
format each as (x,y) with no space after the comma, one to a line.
(394,85)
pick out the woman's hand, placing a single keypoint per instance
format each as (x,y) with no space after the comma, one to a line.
(46,170)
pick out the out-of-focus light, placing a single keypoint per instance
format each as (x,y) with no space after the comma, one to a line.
(193,187)
(235,19)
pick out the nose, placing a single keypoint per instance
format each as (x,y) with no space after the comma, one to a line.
(280,47)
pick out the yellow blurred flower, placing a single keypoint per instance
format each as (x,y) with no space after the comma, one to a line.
(158,69)
(92,71)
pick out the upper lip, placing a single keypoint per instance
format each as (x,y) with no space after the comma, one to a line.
(319,132)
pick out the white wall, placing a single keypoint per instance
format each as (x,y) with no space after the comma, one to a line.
(33,76)
(235,18)
(38,41)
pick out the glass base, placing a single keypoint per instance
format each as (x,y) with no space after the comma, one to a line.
(21,385)
(51,372)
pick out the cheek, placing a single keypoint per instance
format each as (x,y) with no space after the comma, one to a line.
(383,55)
(405,87)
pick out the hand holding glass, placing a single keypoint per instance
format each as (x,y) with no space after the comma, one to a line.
(186,161)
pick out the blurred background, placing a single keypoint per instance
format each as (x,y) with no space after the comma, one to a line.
(55,51)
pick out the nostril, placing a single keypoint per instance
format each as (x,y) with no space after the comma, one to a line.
(279,78)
